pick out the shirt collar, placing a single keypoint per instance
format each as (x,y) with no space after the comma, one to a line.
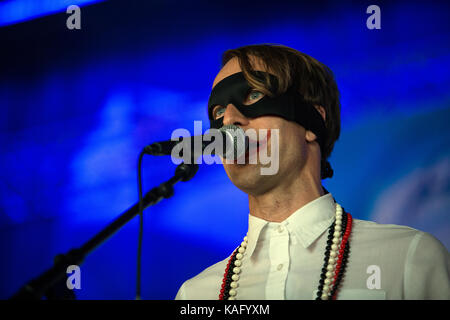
(306,223)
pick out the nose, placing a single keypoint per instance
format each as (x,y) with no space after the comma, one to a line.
(233,116)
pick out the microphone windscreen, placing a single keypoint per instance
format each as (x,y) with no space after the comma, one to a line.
(236,142)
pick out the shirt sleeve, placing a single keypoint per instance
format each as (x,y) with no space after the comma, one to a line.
(181,295)
(427,269)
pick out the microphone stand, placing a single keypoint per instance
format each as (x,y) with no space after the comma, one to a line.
(40,286)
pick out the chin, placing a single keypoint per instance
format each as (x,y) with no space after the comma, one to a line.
(246,177)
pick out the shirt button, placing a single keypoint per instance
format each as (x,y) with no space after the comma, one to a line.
(280,266)
(280,229)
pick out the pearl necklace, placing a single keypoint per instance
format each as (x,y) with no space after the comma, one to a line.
(336,255)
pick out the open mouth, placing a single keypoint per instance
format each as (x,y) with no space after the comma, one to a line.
(253,149)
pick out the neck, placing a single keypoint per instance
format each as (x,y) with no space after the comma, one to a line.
(279,203)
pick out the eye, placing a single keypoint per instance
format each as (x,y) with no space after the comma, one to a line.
(218,112)
(253,96)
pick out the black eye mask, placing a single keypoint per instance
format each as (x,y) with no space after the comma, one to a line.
(290,105)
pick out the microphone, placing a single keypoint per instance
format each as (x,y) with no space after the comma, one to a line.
(229,141)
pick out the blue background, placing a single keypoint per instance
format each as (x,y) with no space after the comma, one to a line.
(77,106)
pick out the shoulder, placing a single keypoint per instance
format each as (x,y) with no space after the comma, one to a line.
(415,264)
(367,225)
(392,239)
(425,250)
(388,232)
(427,269)
(204,286)
(420,248)
(370,231)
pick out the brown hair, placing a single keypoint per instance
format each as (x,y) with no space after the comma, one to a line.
(314,80)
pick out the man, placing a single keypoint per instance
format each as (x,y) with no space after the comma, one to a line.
(300,243)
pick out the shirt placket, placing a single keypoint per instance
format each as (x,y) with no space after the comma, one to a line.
(279,263)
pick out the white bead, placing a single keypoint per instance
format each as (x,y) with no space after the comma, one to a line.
(324,297)
(236,269)
(329,274)
(234,284)
(336,240)
(245,238)
(334,247)
(237,263)
(333,254)
(331,261)
(243,244)
(325,289)
(232,292)
(338,222)
(336,234)
(327,281)
(337,228)
(239,256)
(330,267)
(241,250)
(231,298)
(235,277)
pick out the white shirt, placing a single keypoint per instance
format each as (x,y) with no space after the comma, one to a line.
(284,261)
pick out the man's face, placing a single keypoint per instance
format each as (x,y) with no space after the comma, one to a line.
(292,145)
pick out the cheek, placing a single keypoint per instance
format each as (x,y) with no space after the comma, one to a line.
(292,141)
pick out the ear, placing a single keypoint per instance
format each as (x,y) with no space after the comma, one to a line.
(310,136)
